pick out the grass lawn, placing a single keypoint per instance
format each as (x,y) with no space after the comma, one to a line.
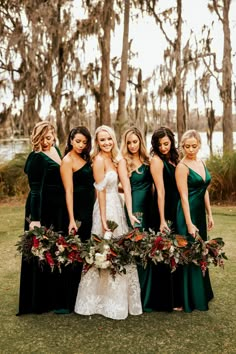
(212,331)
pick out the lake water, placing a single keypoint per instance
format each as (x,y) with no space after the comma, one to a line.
(8,148)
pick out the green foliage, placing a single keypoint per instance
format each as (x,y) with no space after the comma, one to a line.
(223,173)
(13,181)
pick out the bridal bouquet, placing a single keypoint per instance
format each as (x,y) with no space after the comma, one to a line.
(50,247)
(105,252)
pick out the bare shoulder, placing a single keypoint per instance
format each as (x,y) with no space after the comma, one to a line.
(122,162)
(98,162)
(156,161)
(67,160)
(182,167)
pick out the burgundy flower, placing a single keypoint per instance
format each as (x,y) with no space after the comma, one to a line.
(159,244)
(49,259)
(35,242)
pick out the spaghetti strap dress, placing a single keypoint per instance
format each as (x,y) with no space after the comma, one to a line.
(197,290)
(141,192)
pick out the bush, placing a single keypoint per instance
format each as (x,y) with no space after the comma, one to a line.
(13,180)
(223,173)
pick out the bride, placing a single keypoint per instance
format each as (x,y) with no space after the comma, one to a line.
(98,292)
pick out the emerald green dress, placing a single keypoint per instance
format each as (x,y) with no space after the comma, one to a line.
(141,190)
(166,286)
(40,290)
(197,291)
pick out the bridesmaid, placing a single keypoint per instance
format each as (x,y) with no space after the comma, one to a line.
(77,178)
(164,160)
(192,179)
(136,179)
(45,206)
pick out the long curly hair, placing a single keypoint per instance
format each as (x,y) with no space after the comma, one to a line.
(128,156)
(85,132)
(158,134)
(39,131)
(115,153)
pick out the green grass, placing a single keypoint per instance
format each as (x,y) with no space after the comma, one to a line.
(199,332)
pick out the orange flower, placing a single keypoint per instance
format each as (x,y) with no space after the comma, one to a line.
(182,242)
(138,237)
(97,239)
(113,253)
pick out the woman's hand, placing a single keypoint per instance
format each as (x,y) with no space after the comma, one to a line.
(133,220)
(105,227)
(33,224)
(192,230)
(72,226)
(164,227)
(210,223)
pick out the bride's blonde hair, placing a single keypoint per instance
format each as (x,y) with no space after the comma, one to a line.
(115,152)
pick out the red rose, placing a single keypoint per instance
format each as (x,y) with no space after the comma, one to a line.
(49,259)
(159,244)
(35,242)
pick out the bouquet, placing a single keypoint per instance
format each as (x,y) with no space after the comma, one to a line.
(50,247)
(105,252)
(203,253)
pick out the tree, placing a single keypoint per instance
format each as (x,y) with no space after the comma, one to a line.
(121,114)
(222,8)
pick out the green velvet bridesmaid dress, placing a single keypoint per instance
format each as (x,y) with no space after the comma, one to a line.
(197,291)
(141,189)
(45,203)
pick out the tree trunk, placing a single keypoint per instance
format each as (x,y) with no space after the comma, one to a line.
(227,83)
(181,124)
(121,119)
(105,40)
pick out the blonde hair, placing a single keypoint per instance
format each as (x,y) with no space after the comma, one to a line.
(192,133)
(115,152)
(128,156)
(39,132)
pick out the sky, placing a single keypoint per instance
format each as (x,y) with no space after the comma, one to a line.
(149,43)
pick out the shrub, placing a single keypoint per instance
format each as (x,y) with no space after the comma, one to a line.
(13,180)
(223,173)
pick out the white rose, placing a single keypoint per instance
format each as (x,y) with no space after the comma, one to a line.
(106,248)
(89,259)
(100,257)
(107,235)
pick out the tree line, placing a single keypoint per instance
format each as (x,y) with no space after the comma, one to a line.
(42,51)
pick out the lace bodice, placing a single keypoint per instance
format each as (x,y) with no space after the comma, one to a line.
(114,206)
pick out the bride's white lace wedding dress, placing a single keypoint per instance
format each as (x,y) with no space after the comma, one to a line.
(98,292)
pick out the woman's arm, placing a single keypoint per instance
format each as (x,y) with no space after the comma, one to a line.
(156,168)
(67,180)
(125,182)
(99,175)
(210,223)
(181,175)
